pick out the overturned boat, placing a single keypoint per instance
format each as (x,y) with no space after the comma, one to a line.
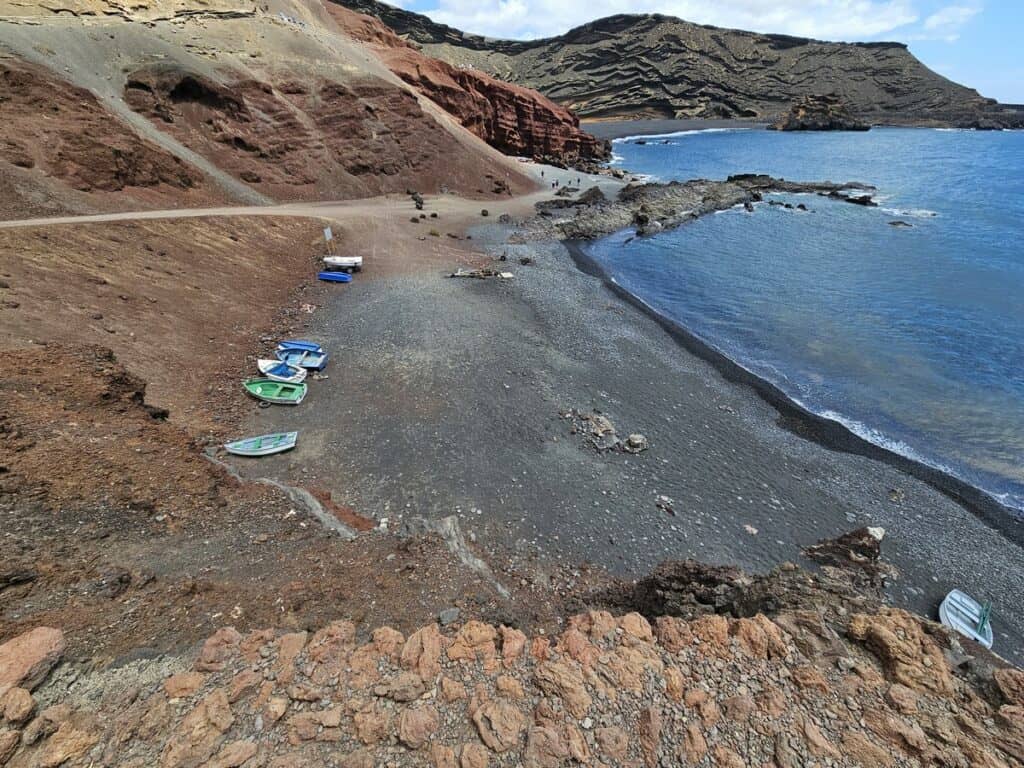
(334,277)
(344,263)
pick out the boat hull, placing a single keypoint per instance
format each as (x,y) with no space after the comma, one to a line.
(275,392)
(272,369)
(335,277)
(962,613)
(344,263)
(309,346)
(263,445)
(313,361)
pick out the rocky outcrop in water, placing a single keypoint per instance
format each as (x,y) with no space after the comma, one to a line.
(513,119)
(819,113)
(656,207)
(654,66)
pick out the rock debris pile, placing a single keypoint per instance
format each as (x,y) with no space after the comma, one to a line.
(886,689)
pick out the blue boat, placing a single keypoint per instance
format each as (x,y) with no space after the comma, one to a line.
(310,346)
(335,277)
(302,358)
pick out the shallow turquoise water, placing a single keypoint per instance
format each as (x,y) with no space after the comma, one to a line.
(913,337)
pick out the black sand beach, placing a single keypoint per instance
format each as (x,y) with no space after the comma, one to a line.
(617,129)
(448,396)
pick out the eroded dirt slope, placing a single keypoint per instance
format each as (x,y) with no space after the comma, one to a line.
(181,302)
(163,103)
(75,146)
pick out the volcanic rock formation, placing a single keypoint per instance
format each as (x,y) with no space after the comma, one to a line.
(654,66)
(819,113)
(513,119)
(877,688)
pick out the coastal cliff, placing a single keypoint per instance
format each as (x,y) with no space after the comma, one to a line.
(655,66)
(513,119)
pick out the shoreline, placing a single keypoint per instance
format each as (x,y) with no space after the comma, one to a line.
(621,129)
(805,423)
(454,399)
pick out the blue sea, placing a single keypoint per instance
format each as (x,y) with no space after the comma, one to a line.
(913,337)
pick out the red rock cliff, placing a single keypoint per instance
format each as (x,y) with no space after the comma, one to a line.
(513,119)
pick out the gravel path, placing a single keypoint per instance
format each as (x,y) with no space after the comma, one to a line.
(447,396)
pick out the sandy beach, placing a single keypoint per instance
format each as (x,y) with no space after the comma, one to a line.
(451,397)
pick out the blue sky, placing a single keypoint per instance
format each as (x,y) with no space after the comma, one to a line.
(975,42)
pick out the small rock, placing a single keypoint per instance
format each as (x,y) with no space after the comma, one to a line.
(26,660)
(448,616)
(17,705)
(635,443)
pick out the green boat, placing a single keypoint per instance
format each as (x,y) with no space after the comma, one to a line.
(277,392)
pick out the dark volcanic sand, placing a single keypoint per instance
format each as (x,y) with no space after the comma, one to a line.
(617,129)
(445,396)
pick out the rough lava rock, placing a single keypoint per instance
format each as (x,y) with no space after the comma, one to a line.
(607,690)
(819,113)
(26,660)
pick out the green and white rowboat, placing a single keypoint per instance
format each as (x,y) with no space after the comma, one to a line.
(277,392)
(264,445)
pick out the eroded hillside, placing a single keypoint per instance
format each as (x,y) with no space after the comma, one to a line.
(117,105)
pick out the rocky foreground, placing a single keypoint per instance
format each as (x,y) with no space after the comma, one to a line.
(878,687)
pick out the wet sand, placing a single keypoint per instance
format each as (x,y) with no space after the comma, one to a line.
(446,396)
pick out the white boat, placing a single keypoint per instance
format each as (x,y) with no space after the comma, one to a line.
(279,370)
(264,445)
(967,616)
(344,263)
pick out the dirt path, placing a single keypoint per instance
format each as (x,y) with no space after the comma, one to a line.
(384,208)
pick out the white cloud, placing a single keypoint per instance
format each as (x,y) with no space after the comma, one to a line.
(946,22)
(952,16)
(826,19)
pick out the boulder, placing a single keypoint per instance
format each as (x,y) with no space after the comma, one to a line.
(26,660)
(819,113)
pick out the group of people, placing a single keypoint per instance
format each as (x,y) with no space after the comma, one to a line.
(555,184)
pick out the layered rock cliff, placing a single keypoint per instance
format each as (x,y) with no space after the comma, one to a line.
(654,66)
(513,119)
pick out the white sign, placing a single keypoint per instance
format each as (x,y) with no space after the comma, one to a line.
(328,235)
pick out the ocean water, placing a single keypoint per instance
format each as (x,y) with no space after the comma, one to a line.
(911,336)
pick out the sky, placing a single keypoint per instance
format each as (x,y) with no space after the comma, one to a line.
(975,42)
